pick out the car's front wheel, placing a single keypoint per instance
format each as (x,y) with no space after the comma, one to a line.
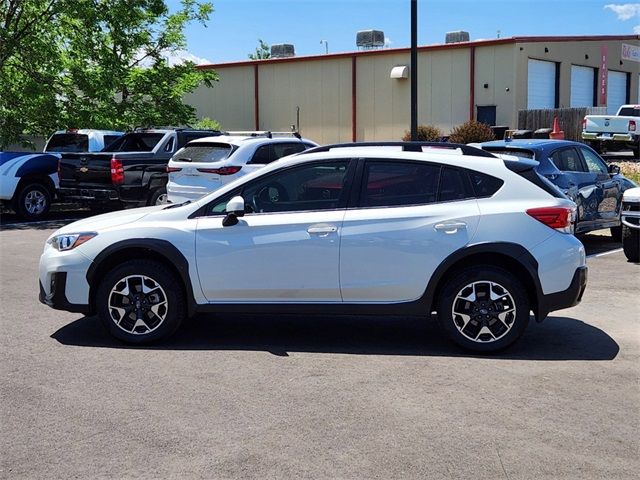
(140,301)
(631,243)
(483,308)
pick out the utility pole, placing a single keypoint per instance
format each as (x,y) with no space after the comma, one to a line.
(414,70)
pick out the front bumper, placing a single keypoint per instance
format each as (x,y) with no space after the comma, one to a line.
(57,298)
(566,298)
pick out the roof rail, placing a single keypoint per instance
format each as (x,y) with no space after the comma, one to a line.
(262,133)
(406,147)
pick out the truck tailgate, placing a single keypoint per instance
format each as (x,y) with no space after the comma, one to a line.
(85,168)
(607,124)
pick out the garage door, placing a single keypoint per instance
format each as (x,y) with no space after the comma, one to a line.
(541,84)
(582,86)
(616,91)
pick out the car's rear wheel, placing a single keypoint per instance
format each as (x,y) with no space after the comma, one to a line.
(483,309)
(631,243)
(33,201)
(158,197)
(140,302)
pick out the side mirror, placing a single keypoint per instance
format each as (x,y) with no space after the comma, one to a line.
(614,169)
(235,209)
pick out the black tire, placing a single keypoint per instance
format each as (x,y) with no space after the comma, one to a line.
(631,243)
(169,301)
(158,197)
(616,233)
(33,201)
(488,280)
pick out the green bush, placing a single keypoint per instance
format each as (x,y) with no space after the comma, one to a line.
(471,132)
(207,123)
(426,133)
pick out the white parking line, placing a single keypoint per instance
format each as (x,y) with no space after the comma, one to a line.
(604,253)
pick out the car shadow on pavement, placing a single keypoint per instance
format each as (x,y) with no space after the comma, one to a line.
(557,338)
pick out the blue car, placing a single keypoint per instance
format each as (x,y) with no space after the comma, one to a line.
(580,173)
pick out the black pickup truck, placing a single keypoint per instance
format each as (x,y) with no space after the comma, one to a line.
(130,172)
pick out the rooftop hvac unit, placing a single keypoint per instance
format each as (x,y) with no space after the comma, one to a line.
(456,37)
(369,39)
(282,50)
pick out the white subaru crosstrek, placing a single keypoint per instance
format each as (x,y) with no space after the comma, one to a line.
(206,164)
(391,229)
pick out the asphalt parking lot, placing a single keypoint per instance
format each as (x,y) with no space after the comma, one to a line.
(295,397)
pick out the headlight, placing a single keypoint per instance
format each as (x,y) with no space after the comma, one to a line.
(69,241)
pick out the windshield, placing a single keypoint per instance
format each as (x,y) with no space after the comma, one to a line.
(68,142)
(204,152)
(135,142)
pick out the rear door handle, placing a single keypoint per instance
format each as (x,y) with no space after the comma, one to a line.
(450,227)
(322,230)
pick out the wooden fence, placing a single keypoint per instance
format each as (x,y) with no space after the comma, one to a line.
(570,119)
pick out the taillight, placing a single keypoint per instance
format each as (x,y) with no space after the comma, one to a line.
(173,169)
(558,218)
(221,171)
(632,125)
(584,123)
(117,171)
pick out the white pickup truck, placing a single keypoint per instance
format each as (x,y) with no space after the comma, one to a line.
(622,130)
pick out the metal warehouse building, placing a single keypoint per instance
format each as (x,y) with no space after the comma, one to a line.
(365,95)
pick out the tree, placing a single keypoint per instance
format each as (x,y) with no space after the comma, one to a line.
(263,51)
(95,64)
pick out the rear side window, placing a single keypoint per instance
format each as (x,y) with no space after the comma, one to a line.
(68,142)
(399,183)
(135,142)
(209,152)
(272,152)
(454,185)
(484,185)
(567,160)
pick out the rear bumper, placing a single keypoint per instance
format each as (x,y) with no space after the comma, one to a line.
(89,194)
(566,298)
(610,137)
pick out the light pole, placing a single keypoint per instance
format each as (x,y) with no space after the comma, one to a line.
(326,46)
(414,70)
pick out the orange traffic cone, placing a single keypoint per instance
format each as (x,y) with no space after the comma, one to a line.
(556,133)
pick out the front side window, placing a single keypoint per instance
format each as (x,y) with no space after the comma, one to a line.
(594,164)
(317,186)
(567,160)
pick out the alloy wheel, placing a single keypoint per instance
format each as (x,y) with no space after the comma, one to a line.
(138,304)
(483,311)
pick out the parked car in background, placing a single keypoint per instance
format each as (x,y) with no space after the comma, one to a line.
(128,173)
(581,174)
(369,229)
(29,181)
(630,217)
(614,132)
(206,164)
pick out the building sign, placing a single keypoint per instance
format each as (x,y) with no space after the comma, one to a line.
(630,52)
(602,85)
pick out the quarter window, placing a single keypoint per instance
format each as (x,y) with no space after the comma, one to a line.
(399,183)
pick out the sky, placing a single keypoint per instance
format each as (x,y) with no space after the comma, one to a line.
(235,26)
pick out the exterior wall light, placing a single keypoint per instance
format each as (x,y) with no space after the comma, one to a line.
(400,71)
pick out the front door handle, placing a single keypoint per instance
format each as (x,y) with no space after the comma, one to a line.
(450,227)
(322,230)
